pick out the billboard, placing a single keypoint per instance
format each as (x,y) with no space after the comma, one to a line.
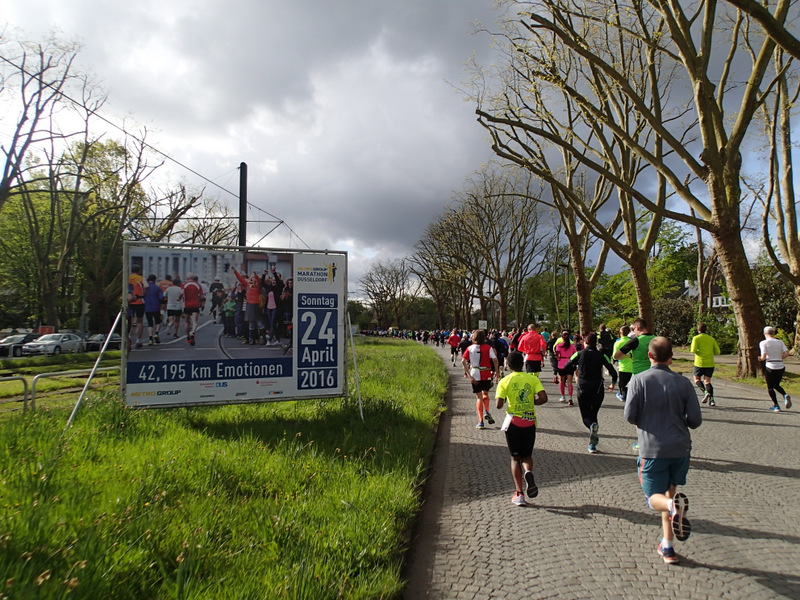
(222,325)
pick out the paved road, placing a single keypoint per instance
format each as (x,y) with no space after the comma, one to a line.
(589,534)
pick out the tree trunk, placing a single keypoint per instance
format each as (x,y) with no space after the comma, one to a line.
(744,299)
(644,295)
(583,293)
(502,311)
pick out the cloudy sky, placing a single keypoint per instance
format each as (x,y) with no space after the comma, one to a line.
(345,111)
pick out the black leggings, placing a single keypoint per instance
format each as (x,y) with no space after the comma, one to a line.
(590,399)
(773,378)
(624,380)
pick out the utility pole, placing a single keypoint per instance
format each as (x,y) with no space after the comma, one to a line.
(243,204)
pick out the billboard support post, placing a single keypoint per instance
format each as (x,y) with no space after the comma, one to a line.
(243,204)
(355,365)
(94,370)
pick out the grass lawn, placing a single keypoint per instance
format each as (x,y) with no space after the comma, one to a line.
(277,500)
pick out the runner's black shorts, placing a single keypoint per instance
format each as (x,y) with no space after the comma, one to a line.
(533,366)
(703,371)
(484,385)
(520,440)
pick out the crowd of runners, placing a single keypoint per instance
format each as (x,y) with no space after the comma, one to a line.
(635,364)
(257,310)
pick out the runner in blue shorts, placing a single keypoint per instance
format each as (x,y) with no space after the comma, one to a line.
(663,406)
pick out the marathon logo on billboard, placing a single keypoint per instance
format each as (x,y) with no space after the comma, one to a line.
(324,274)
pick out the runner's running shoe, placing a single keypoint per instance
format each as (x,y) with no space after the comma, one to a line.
(592,449)
(562,399)
(668,554)
(593,437)
(711,401)
(532,490)
(680,524)
(787,401)
(705,398)
(775,408)
(620,398)
(518,499)
(489,418)
(480,425)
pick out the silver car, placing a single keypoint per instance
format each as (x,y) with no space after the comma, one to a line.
(54,343)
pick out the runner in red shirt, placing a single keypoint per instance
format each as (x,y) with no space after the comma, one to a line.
(192,297)
(454,340)
(533,346)
(481,366)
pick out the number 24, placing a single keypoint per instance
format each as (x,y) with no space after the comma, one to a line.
(325,332)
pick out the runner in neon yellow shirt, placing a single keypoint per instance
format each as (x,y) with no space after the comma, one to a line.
(625,367)
(704,347)
(523,391)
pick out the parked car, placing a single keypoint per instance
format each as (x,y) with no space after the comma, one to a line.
(12,345)
(95,342)
(54,343)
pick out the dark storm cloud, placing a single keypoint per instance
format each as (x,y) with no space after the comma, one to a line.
(344,111)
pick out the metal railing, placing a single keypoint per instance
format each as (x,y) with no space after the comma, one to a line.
(60,373)
(24,385)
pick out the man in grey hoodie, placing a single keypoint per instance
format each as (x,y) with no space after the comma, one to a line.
(663,406)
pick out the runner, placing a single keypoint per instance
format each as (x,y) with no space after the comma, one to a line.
(153,298)
(192,299)
(773,351)
(552,356)
(174,296)
(217,300)
(663,406)
(590,363)
(636,346)
(501,349)
(533,346)
(136,292)
(523,391)
(480,365)
(704,347)
(453,341)
(625,364)
(563,350)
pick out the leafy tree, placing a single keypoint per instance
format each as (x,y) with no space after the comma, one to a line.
(490,239)
(35,78)
(19,291)
(674,317)
(391,291)
(695,149)
(359,314)
(422,314)
(778,297)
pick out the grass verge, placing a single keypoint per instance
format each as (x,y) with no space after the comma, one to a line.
(281,500)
